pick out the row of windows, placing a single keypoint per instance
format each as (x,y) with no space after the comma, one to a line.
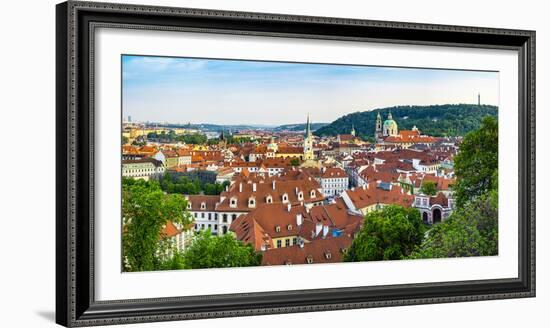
(138,170)
(225,216)
(203,226)
(336,179)
(288,241)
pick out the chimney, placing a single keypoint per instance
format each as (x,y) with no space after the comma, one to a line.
(296,189)
(298,219)
(289,207)
(325,231)
(254,186)
(240,187)
(318,228)
(273,184)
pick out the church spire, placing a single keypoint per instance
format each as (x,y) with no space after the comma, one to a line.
(352,129)
(308,127)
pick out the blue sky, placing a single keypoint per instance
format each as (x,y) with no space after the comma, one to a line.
(182,90)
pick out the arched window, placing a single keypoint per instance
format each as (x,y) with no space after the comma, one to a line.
(285,198)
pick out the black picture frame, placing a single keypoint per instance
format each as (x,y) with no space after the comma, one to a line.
(75,302)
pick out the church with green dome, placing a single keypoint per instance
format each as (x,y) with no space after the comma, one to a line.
(389,128)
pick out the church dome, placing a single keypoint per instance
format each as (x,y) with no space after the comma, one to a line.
(390,123)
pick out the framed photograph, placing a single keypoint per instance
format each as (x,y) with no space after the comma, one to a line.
(215,163)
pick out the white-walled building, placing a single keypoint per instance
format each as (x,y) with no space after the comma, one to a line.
(179,237)
(434,209)
(143,168)
(333,181)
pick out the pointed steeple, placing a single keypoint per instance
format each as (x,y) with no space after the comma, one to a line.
(389,116)
(352,130)
(222,136)
(308,127)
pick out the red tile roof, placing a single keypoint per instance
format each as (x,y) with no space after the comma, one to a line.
(328,250)
(196,202)
(243,191)
(371,194)
(280,220)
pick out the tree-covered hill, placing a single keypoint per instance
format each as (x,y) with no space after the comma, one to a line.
(435,120)
(299,127)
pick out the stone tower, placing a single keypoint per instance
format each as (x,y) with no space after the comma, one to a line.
(378,129)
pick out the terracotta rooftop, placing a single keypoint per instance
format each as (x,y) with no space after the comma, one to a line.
(329,250)
(372,194)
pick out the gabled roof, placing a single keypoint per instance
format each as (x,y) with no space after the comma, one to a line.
(242,191)
(145,160)
(328,250)
(270,221)
(197,200)
(372,194)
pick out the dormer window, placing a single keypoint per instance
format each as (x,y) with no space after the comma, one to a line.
(312,194)
(277,228)
(233,202)
(300,196)
(188,205)
(203,206)
(251,202)
(269,199)
(289,227)
(285,198)
(309,259)
(328,255)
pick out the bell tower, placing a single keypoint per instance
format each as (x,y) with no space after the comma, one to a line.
(308,142)
(378,129)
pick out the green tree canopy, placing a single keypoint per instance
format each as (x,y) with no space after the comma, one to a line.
(429,188)
(181,184)
(451,120)
(294,161)
(145,211)
(209,251)
(388,234)
(476,163)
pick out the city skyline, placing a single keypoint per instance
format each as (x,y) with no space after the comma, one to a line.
(169,89)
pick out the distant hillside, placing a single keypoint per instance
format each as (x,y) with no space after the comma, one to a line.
(435,120)
(299,127)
